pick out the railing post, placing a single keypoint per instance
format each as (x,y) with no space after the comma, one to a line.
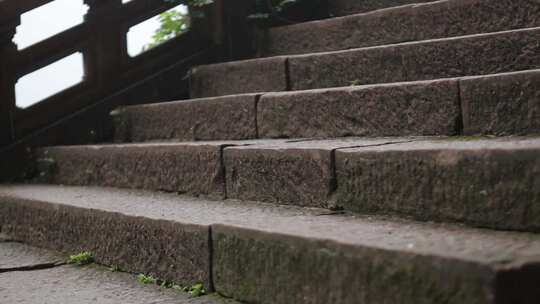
(8,50)
(108,45)
(239,32)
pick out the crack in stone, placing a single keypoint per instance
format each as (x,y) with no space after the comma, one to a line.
(33,267)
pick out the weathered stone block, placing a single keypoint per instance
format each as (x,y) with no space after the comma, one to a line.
(349,7)
(487,183)
(424,108)
(193,168)
(283,176)
(376,28)
(249,76)
(164,249)
(433,20)
(223,118)
(264,267)
(297,173)
(506,104)
(432,59)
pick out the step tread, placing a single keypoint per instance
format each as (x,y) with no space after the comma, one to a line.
(351,7)
(419,21)
(510,51)
(83,285)
(451,241)
(406,43)
(425,107)
(15,256)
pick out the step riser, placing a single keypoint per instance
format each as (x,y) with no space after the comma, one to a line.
(224,118)
(510,51)
(192,169)
(262,75)
(166,250)
(435,59)
(349,7)
(497,189)
(303,178)
(440,19)
(441,183)
(294,270)
(271,267)
(401,110)
(503,104)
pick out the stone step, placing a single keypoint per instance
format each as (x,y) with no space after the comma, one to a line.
(351,7)
(440,19)
(268,254)
(221,118)
(481,182)
(193,168)
(481,54)
(26,280)
(501,104)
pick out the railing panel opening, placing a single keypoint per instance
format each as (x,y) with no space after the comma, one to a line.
(49,20)
(158,30)
(49,80)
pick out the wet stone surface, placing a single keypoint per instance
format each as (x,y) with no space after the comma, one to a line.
(72,284)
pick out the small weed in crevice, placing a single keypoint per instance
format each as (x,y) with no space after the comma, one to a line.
(197,290)
(114,268)
(194,291)
(146,279)
(83,258)
(355,83)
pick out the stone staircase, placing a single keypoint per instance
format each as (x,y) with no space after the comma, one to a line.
(387,156)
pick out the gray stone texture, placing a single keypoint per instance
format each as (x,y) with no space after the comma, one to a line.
(193,168)
(440,19)
(297,270)
(86,285)
(432,59)
(296,173)
(349,7)
(502,104)
(14,256)
(34,276)
(487,183)
(281,254)
(223,118)
(424,108)
(164,249)
(249,76)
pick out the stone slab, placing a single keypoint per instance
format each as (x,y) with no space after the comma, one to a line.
(171,251)
(505,104)
(193,168)
(349,7)
(484,182)
(249,76)
(292,173)
(325,271)
(223,118)
(258,249)
(403,109)
(439,19)
(85,285)
(431,59)
(15,256)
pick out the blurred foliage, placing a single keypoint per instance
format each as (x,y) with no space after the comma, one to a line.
(172,24)
(266,13)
